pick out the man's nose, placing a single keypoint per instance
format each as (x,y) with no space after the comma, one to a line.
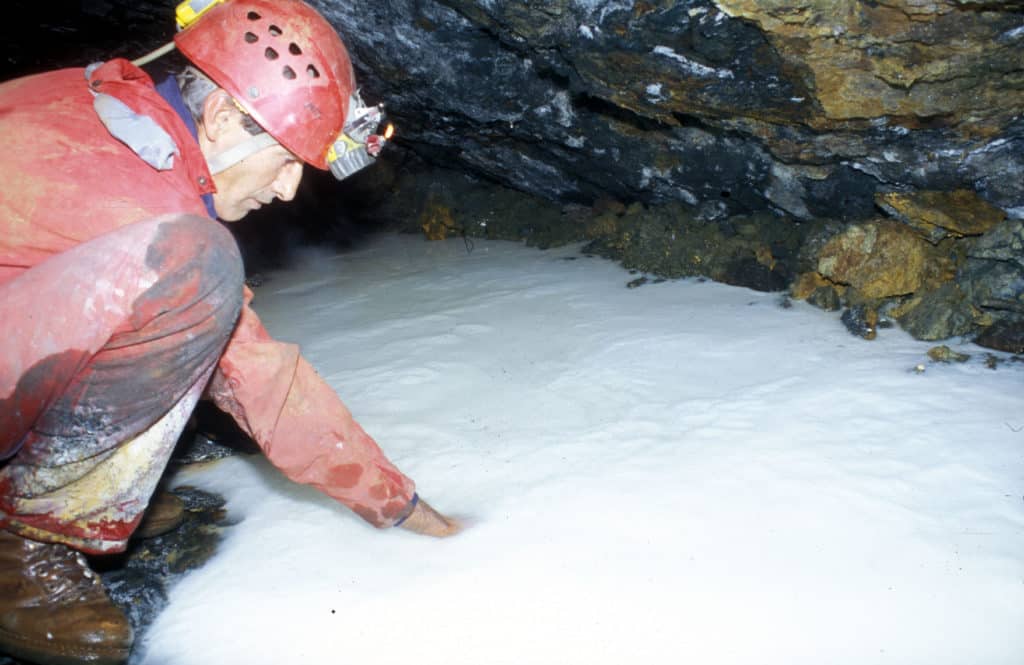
(287,182)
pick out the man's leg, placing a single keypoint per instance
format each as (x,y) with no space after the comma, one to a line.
(111,344)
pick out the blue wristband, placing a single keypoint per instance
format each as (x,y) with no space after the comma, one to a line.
(412,507)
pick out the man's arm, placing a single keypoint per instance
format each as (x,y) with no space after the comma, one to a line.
(306,431)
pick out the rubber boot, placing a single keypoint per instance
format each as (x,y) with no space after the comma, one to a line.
(54,609)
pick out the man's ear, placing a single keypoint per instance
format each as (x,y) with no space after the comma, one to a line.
(220,115)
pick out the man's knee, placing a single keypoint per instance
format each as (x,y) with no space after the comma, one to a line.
(194,243)
(197,262)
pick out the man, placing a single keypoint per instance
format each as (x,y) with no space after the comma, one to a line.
(122,302)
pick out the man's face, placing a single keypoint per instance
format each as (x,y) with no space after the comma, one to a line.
(271,173)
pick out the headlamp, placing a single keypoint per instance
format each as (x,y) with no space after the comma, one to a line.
(358,146)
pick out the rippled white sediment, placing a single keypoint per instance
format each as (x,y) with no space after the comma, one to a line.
(684,472)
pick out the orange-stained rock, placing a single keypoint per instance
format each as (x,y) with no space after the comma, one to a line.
(807,283)
(938,214)
(903,58)
(437,221)
(880,258)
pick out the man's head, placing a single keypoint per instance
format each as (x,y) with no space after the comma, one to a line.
(272,172)
(281,88)
(250,168)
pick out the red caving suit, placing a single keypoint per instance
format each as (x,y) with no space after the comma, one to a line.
(121,301)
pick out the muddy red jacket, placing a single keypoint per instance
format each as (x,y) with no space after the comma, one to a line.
(65,179)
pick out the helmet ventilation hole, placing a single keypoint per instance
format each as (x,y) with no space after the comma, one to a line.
(253,16)
(274,31)
(294,49)
(270,53)
(251,38)
(288,73)
(312,71)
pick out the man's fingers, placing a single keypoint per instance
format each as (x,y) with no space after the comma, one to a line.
(426,521)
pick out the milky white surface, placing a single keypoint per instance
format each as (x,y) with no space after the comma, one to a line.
(685,472)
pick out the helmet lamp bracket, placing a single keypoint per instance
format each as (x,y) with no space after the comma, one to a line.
(358,145)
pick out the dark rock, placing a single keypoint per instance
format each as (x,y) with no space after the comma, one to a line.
(670,241)
(716,212)
(1006,335)
(685,102)
(139,579)
(444,203)
(826,298)
(210,435)
(202,448)
(845,194)
(944,354)
(992,361)
(1004,242)
(861,321)
(993,281)
(995,287)
(749,272)
(997,169)
(939,314)
(815,238)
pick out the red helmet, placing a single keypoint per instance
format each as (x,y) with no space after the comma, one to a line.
(284,63)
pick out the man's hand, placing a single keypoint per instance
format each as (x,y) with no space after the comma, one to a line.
(426,521)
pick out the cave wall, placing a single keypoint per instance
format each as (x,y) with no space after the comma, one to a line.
(808,108)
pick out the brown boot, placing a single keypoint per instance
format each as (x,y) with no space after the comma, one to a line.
(54,609)
(164,513)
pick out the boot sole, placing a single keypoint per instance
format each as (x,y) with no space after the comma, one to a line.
(56,653)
